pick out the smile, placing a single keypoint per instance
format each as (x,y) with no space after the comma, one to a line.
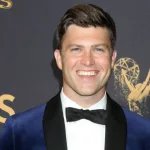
(87,73)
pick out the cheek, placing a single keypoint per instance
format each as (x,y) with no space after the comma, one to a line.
(70,62)
(104,62)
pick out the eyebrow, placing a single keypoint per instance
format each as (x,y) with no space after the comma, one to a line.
(95,45)
(72,45)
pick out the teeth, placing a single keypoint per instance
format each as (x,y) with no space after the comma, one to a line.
(86,73)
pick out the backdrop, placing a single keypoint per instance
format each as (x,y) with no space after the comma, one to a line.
(28,73)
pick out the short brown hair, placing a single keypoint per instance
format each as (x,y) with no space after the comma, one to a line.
(86,15)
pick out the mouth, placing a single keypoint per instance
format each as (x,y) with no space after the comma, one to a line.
(89,73)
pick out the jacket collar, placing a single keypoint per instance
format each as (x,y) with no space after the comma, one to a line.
(54,127)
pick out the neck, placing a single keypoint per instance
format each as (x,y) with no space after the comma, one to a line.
(84,101)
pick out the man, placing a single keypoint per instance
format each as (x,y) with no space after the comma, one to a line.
(82,116)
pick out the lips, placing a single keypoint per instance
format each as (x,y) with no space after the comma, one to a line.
(87,73)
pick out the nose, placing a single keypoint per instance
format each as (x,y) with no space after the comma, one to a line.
(87,59)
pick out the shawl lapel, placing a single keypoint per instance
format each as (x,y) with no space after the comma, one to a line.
(116,126)
(53,125)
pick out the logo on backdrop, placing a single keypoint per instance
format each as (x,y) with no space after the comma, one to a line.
(6,4)
(126,77)
(4,107)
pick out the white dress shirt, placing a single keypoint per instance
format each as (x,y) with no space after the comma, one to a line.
(84,134)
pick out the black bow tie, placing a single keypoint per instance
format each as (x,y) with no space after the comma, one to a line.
(96,116)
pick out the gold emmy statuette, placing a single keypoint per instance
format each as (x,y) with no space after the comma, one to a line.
(126,76)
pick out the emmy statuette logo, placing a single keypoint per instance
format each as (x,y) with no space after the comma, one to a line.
(4,107)
(6,4)
(126,77)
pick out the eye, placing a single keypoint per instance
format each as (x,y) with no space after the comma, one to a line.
(99,49)
(75,49)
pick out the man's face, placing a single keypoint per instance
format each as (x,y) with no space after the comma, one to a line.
(86,60)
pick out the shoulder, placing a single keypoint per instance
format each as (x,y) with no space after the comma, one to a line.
(138,129)
(27,118)
(134,117)
(27,121)
(22,127)
(136,122)
(32,114)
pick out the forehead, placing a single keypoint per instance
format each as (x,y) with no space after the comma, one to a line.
(94,35)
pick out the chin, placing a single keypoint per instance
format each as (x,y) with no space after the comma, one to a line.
(86,92)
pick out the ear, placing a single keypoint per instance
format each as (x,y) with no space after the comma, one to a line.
(113,59)
(58,59)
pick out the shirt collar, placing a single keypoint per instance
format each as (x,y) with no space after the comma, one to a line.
(67,102)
